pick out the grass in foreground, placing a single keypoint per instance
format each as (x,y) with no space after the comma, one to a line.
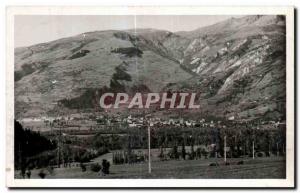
(260,168)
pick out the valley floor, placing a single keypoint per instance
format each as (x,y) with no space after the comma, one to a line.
(260,168)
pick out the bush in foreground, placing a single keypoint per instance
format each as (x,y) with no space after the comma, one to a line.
(95,167)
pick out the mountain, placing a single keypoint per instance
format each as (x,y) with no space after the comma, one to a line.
(237,66)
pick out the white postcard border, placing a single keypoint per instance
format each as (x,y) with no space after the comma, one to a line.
(167,10)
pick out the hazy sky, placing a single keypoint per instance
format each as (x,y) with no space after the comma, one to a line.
(31,29)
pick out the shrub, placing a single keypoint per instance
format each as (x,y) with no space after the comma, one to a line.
(235,154)
(204,153)
(260,154)
(83,167)
(105,165)
(129,52)
(79,54)
(42,174)
(192,155)
(173,154)
(50,170)
(213,164)
(95,167)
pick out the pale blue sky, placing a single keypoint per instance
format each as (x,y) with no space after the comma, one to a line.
(33,29)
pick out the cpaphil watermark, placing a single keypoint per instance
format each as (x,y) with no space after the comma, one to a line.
(142,100)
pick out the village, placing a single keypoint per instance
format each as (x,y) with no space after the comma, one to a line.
(90,123)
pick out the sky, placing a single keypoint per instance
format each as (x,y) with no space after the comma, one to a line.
(34,29)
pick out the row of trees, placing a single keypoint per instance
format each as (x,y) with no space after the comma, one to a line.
(29,144)
(130,157)
(34,150)
(240,139)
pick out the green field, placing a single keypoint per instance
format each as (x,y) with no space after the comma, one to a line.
(268,168)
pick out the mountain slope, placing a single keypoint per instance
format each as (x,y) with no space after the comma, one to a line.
(238,67)
(67,68)
(241,67)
